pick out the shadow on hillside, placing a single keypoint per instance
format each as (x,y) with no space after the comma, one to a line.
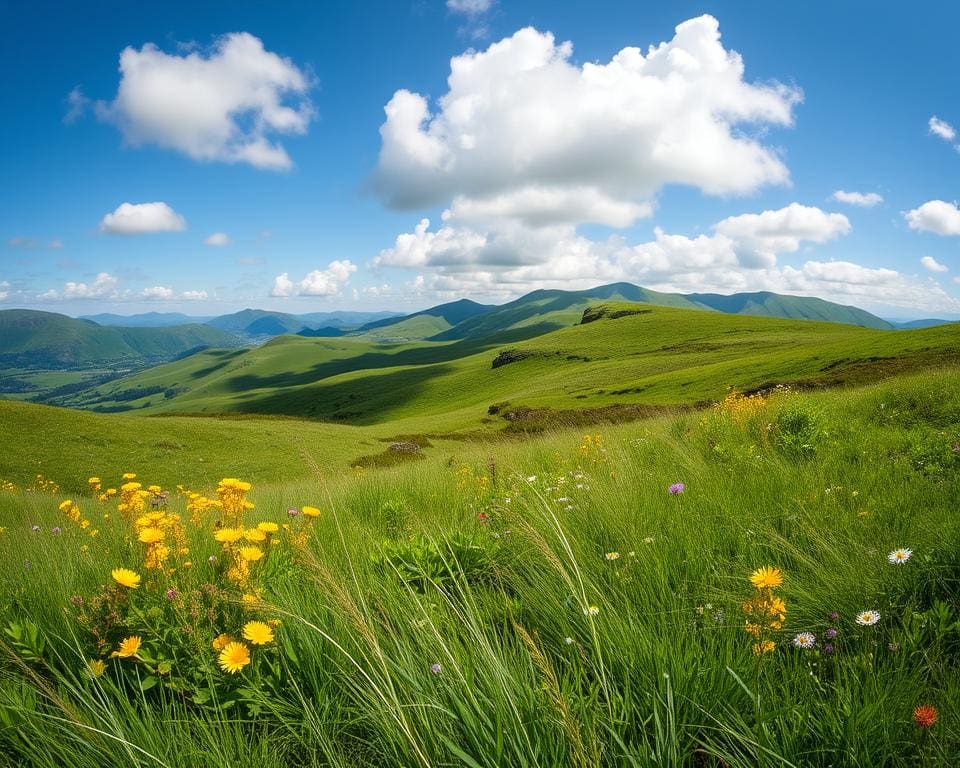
(418,356)
(362,401)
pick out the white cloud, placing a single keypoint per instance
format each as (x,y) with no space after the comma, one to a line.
(4,293)
(141,219)
(523,132)
(860,199)
(319,282)
(194,295)
(942,128)
(77,104)
(223,106)
(936,216)
(104,285)
(933,265)
(217,239)
(32,243)
(157,292)
(470,7)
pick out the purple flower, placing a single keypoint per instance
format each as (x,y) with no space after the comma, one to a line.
(830,633)
(35,528)
(677,488)
(436,669)
(293,511)
(55,530)
(828,648)
(834,615)
(172,594)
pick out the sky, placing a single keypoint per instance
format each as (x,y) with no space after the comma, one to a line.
(204,157)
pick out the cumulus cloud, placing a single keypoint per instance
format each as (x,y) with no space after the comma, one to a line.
(217,240)
(319,282)
(933,265)
(104,285)
(526,133)
(157,292)
(77,104)
(142,219)
(937,216)
(194,295)
(222,105)
(860,199)
(942,128)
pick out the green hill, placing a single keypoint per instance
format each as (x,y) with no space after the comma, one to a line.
(768,304)
(31,339)
(635,355)
(424,324)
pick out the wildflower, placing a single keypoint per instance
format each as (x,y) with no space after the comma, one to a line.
(254,534)
(766,577)
(151,535)
(221,641)
(828,648)
(893,647)
(925,715)
(128,647)
(436,669)
(249,599)
(834,615)
(35,528)
(612,555)
(268,527)
(293,511)
(228,535)
(129,476)
(568,640)
(172,594)
(676,489)
(126,578)
(899,556)
(805,640)
(830,633)
(234,657)
(251,554)
(310,511)
(591,611)
(868,618)
(764,647)
(96,667)
(257,632)
(648,540)
(212,559)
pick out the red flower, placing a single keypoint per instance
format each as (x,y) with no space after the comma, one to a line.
(925,715)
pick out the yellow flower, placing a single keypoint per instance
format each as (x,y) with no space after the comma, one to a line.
(129,646)
(188,564)
(93,481)
(273,622)
(228,535)
(249,599)
(257,633)
(251,554)
(96,667)
(765,647)
(221,641)
(126,578)
(254,534)
(766,577)
(310,511)
(234,657)
(151,535)
(129,475)
(268,527)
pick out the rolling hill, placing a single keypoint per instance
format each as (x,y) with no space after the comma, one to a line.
(633,356)
(145,319)
(766,304)
(424,324)
(32,339)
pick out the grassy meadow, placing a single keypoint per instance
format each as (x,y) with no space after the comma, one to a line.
(582,597)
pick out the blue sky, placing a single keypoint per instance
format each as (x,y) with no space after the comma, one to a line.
(546,165)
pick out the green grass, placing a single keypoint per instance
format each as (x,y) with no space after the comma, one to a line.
(485,565)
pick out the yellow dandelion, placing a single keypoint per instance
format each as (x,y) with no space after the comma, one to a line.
(257,632)
(310,511)
(221,641)
(128,647)
(766,577)
(228,535)
(151,535)
(129,475)
(268,527)
(254,534)
(251,554)
(96,667)
(126,578)
(234,657)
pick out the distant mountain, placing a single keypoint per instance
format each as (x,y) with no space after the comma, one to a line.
(257,322)
(343,319)
(327,332)
(766,304)
(145,320)
(32,339)
(907,325)
(425,323)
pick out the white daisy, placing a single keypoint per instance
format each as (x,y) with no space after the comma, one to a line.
(868,618)
(899,556)
(805,640)
(612,555)
(591,611)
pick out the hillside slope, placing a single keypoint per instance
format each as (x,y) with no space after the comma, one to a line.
(767,304)
(32,339)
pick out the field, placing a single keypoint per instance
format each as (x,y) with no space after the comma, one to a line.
(557,600)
